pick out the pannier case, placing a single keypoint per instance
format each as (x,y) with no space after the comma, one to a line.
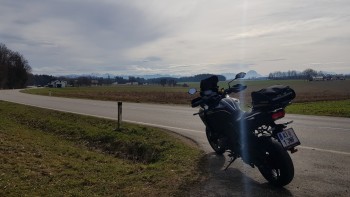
(273,96)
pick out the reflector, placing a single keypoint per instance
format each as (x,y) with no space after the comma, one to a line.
(279,114)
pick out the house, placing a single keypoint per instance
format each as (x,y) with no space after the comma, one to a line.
(317,78)
(132,83)
(328,78)
(58,84)
(94,82)
(339,77)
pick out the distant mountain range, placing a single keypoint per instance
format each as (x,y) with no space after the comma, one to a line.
(250,75)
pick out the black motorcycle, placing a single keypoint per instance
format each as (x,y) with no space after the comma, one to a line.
(253,136)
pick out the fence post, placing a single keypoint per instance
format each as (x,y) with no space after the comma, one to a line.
(119,114)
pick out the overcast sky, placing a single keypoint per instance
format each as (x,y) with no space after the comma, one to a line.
(179,37)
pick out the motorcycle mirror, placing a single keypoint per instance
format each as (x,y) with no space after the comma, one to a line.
(240,75)
(192,91)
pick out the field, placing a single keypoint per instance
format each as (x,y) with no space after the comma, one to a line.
(306,92)
(44,152)
(129,93)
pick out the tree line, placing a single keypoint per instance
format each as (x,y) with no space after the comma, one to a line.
(43,80)
(14,69)
(307,74)
(171,81)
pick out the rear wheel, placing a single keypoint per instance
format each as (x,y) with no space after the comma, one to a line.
(276,166)
(216,142)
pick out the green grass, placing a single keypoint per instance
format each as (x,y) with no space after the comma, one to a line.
(324,108)
(50,153)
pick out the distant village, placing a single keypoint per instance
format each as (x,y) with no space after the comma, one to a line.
(327,77)
(94,82)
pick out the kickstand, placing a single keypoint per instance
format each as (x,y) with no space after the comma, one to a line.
(233,158)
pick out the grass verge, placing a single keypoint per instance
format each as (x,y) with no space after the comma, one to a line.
(50,153)
(323,108)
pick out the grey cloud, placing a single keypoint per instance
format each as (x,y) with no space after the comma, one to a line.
(152,59)
(130,35)
(101,30)
(275,60)
(341,40)
(13,38)
(103,24)
(306,10)
(10,37)
(116,25)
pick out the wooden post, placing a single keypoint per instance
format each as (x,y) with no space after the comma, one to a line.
(119,114)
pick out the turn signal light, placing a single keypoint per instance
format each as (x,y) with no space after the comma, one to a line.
(278,114)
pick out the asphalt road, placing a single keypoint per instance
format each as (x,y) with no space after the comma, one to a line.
(321,164)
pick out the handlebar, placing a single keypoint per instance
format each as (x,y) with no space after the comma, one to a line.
(215,96)
(196,102)
(235,89)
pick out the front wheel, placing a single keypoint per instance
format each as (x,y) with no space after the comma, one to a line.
(276,165)
(216,142)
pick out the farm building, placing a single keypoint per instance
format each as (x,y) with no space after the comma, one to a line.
(327,78)
(58,84)
(317,78)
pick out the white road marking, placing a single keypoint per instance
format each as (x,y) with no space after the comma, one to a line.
(335,128)
(324,150)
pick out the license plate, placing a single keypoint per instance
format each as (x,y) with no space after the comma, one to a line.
(288,138)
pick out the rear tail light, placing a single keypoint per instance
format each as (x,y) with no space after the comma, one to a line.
(278,114)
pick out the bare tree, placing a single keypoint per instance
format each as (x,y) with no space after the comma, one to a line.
(309,73)
(14,68)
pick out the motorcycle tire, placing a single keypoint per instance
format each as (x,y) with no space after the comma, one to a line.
(216,143)
(277,166)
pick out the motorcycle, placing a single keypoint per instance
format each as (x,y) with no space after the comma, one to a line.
(253,136)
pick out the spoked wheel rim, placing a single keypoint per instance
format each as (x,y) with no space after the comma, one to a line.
(271,167)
